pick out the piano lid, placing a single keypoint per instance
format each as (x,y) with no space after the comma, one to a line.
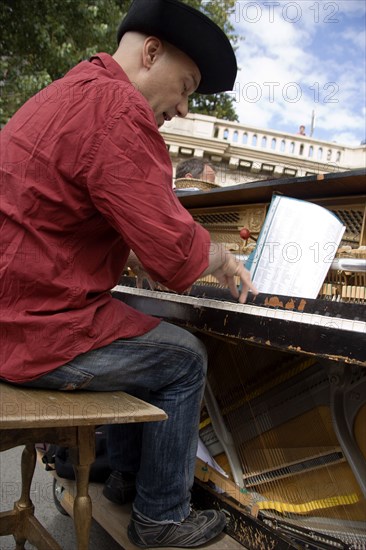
(340,184)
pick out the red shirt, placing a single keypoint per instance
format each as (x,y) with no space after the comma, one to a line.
(85,177)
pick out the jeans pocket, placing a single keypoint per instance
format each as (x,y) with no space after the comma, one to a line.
(65,378)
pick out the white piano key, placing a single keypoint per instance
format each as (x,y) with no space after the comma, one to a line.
(316,320)
(358,326)
(280,314)
(347,324)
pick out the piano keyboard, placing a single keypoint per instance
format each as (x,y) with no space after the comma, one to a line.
(315,319)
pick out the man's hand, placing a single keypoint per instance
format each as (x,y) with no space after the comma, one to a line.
(225,267)
(135,265)
(141,274)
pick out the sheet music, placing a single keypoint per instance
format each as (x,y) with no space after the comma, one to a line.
(295,248)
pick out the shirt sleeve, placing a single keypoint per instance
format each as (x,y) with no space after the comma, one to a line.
(130,182)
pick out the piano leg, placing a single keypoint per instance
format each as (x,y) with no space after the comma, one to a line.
(347,396)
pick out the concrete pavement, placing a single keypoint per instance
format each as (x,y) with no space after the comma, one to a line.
(61,527)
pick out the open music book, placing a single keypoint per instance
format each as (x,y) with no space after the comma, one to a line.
(295,248)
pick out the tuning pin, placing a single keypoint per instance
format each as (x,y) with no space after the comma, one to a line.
(344,293)
(328,292)
(362,294)
(334,294)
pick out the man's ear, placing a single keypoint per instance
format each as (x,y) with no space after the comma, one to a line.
(152,48)
(188,176)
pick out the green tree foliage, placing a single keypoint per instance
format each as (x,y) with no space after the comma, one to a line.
(42,39)
(218,105)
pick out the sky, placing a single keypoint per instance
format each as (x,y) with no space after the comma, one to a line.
(300,57)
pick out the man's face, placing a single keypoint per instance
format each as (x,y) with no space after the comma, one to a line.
(172,78)
(208,174)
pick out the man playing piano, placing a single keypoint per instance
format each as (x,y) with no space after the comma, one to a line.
(86,178)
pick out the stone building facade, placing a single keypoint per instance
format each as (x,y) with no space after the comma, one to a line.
(243,153)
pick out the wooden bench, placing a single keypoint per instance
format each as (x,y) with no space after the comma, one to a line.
(30,416)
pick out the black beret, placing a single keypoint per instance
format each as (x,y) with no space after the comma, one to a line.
(190,31)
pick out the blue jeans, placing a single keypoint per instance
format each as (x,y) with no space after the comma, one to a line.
(166,367)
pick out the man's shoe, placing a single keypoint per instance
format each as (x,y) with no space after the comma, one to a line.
(120,488)
(199,527)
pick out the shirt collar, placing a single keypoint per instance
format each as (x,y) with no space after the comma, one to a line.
(107,61)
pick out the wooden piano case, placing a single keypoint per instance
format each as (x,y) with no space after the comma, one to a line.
(288,395)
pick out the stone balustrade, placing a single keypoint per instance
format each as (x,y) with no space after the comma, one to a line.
(238,149)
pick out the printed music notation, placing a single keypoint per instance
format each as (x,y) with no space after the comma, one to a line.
(295,248)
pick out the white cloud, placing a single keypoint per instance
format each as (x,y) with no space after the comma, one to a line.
(358,38)
(289,69)
(346,137)
(351,6)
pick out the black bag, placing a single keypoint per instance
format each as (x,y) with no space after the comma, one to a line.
(57,458)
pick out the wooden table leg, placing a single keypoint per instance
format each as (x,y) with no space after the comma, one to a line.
(82,457)
(24,505)
(26,526)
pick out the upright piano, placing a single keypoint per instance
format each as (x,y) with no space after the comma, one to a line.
(285,405)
